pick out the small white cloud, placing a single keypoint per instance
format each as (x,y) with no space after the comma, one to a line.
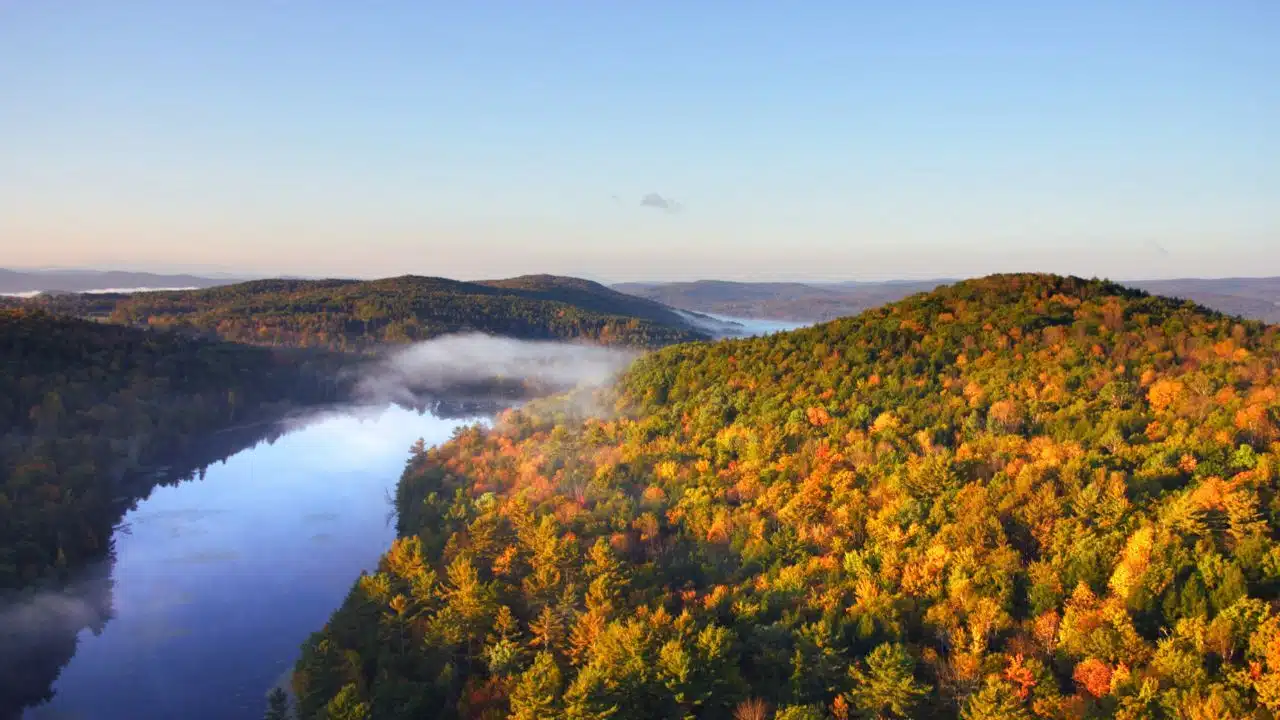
(658,202)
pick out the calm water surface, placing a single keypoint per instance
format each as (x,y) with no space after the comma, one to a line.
(761,326)
(217,582)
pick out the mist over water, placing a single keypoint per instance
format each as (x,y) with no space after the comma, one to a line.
(475,361)
(95,291)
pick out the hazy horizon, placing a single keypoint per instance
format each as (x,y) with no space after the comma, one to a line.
(214,274)
(663,141)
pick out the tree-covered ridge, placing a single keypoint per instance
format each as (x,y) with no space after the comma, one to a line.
(588,295)
(357,315)
(1020,496)
(84,406)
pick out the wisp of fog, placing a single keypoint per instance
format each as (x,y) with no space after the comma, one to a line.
(467,362)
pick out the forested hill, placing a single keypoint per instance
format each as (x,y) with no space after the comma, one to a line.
(1020,496)
(356,315)
(587,295)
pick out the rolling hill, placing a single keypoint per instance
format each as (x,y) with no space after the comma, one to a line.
(1013,497)
(363,314)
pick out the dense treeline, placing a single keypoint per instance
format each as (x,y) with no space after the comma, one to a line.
(87,407)
(1021,496)
(353,315)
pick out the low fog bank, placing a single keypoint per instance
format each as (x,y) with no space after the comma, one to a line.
(481,365)
(46,611)
(28,294)
(38,635)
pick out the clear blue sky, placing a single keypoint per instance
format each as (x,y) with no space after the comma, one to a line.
(801,140)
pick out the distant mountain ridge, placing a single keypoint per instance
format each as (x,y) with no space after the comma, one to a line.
(1253,298)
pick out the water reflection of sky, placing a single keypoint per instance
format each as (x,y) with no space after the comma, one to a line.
(758,326)
(218,581)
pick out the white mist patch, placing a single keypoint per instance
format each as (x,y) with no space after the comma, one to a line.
(460,362)
(128,291)
(47,611)
(97,291)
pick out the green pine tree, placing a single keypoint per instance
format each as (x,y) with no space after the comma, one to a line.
(800,712)
(347,705)
(996,701)
(887,688)
(537,694)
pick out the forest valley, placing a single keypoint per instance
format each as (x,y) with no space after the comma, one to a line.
(101,400)
(1023,496)
(96,387)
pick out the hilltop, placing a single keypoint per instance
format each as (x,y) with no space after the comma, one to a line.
(1012,497)
(361,314)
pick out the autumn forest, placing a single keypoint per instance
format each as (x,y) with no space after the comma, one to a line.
(1020,496)
(1023,496)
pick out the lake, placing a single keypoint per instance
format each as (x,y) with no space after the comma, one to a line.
(217,581)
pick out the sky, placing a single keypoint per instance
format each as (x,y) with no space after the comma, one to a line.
(664,139)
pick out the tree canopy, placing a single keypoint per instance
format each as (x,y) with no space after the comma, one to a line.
(1019,496)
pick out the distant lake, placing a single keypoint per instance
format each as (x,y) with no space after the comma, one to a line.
(760,326)
(217,582)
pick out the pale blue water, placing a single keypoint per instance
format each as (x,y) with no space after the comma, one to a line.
(760,326)
(217,582)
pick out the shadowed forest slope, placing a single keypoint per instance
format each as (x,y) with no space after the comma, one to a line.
(84,406)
